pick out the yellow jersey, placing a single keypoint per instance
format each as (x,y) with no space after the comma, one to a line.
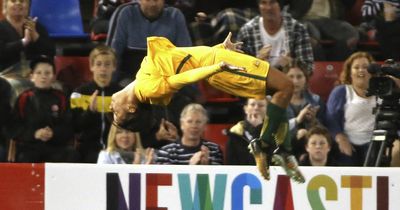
(167,68)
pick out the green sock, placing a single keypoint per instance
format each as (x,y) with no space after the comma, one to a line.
(275,116)
(284,137)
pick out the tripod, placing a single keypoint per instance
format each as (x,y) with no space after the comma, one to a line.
(386,125)
(380,149)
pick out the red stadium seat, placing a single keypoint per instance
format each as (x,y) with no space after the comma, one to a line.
(324,78)
(98,37)
(212,95)
(353,15)
(72,71)
(217,133)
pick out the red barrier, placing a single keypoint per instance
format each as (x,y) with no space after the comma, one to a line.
(22,186)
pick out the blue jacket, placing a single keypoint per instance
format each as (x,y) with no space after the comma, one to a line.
(335,110)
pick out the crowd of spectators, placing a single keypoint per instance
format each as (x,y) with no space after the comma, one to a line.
(47,125)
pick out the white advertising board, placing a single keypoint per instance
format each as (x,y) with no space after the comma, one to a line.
(151,187)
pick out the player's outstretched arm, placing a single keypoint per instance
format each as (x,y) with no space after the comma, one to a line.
(177,81)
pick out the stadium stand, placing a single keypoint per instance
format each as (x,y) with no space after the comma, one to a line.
(212,95)
(217,133)
(72,71)
(61,20)
(324,78)
(222,107)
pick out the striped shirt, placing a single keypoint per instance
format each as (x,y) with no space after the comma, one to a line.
(374,7)
(178,154)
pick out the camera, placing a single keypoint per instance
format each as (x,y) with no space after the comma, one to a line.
(380,85)
(387,115)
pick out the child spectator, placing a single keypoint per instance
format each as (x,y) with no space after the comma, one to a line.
(91,102)
(42,123)
(125,147)
(318,145)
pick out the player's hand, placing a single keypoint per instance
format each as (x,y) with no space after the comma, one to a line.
(232,46)
(224,66)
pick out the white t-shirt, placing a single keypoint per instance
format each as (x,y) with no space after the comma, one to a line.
(358,118)
(277,41)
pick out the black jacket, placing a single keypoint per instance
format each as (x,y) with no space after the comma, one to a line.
(305,161)
(92,127)
(239,137)
(11,45)
(37,108)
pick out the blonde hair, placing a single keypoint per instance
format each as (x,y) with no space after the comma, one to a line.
(193,107)
(112,145)
(345,75)
(102,50)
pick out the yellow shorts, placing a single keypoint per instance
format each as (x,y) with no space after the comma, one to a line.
(250,83)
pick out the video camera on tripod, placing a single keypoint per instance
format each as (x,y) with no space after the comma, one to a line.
(387,112)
